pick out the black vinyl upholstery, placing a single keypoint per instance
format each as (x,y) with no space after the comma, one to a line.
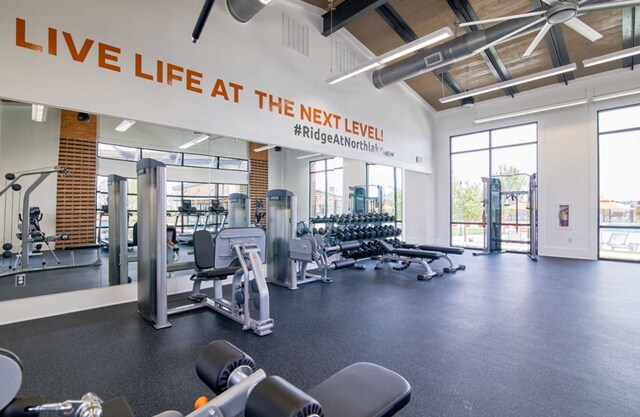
(203,255)
(409,253)
(362,390)
(444,249)
(203,249)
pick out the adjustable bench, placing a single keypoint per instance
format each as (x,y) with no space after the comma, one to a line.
(446,250)
(407,256)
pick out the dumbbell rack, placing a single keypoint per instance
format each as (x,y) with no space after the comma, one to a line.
(367,232)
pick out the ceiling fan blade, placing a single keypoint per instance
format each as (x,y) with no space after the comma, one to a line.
(501,19)
(550,2)
(536,41)
(612,5)
(508,35)
(583,29)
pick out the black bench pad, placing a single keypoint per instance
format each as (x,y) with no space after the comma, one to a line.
(362,390)
(443,249)
(216,274)
(409,253)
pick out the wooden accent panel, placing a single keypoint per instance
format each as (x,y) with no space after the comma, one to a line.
(76,193)
(258,185)
(261,156)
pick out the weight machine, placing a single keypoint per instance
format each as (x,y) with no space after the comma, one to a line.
(238,252)
(494,199)
(362,202)
(30,232)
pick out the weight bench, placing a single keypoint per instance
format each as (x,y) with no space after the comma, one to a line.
(445,250)
(360,390)
(407,256)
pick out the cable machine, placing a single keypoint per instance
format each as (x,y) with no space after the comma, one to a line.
(494,200)
(362,202)
(29,232)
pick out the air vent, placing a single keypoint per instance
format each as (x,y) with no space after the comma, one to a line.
(344,59)
(295,35)
(433,59)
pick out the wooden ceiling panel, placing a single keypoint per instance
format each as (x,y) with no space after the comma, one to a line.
(425,16)
(375,34)
(518,66)
(486,9)
(429,87)
(608,24)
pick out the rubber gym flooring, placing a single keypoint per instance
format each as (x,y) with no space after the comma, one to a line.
(507,337)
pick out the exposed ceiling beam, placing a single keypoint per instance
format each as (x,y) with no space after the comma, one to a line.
(398,24)
(631,34)
(347,12)
(557,48)
(465,13)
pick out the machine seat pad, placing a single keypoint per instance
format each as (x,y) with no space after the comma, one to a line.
(443,249)
(216,274)
(362,390)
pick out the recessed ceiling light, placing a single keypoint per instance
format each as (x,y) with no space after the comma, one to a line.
(38,113)
(125,125)
(194,142)
(264,148)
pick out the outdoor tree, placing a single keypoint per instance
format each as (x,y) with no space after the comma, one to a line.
(513,182)
(466,204)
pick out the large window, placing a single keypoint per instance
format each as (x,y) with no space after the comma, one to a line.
(200,194)
(619,203)
(500,153)
(385,182)
(326,187)
(125,153)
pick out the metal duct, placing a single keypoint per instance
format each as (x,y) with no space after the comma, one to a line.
(449,52)
(244,10)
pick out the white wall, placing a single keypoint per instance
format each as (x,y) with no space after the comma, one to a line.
(567,156)
(28,145)
(251,55)
(419,196)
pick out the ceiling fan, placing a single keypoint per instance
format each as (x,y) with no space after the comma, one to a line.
(553,13)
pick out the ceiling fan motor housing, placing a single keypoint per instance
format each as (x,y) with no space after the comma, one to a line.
(562,12)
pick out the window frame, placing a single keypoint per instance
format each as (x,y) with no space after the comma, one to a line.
(490,165)
(324,171)
(399,218)
(599,226)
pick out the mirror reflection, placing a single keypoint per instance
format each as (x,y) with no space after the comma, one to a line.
(60,168)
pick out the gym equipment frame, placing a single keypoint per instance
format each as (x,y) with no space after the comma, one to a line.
(228,256)
(493,196)
(21,264)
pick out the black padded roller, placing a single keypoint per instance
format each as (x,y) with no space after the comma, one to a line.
(217,361)
(349,245)
(275,397)
(343,263)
